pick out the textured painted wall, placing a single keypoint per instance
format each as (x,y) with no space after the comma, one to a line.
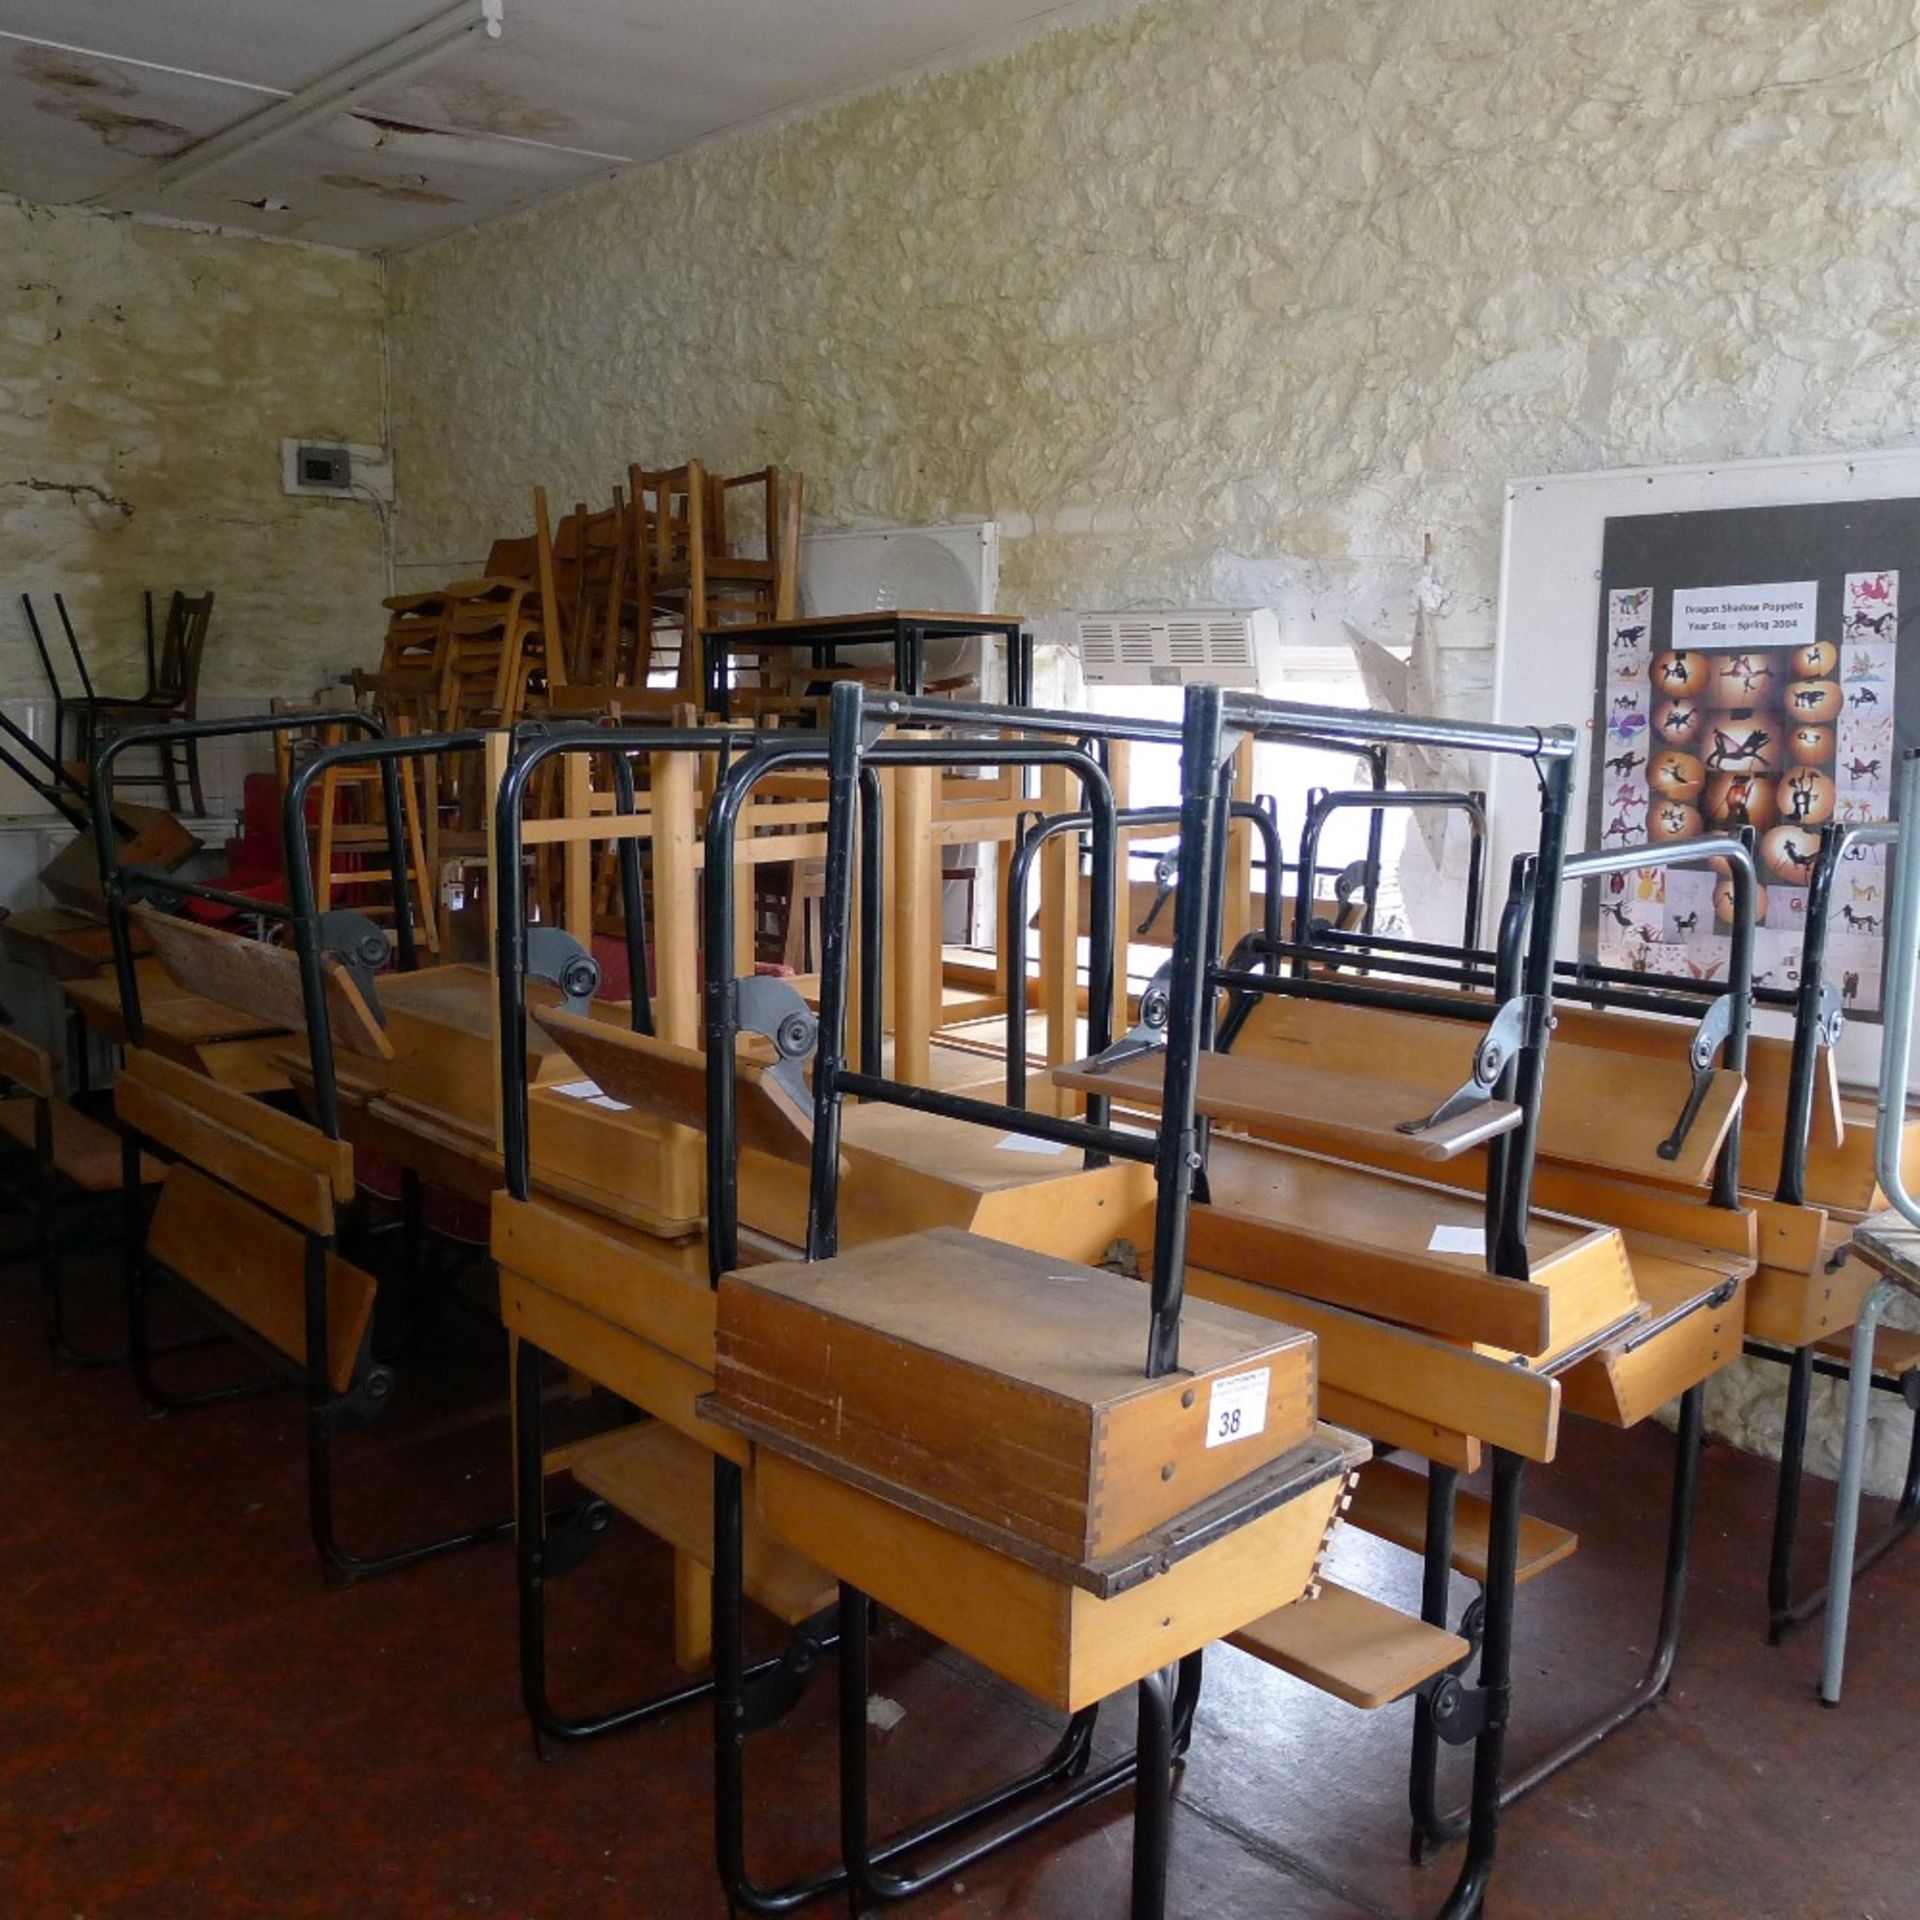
(1218,297)
(147,374)
(1222,299)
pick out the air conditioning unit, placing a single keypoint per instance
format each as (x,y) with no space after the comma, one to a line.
(1233,647)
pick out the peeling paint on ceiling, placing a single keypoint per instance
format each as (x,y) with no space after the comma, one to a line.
(91,91)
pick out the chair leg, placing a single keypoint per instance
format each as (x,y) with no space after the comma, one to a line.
(170,775)
(192,750)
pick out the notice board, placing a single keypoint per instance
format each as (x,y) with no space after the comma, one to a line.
(1684,528)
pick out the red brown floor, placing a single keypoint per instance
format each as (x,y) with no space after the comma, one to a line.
(191,1724)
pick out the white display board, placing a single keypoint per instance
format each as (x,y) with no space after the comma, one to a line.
(1547,669)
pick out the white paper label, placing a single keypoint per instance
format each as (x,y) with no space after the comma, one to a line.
(1026,1143)
(1237,1407)
(1471,1240)
(1781,615)
(588,1091)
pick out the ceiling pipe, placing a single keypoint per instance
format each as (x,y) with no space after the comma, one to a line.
(333,93)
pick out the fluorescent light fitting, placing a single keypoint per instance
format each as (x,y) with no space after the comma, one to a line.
(333,93)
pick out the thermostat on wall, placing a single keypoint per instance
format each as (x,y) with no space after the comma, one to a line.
(336,470)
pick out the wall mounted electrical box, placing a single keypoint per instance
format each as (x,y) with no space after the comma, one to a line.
(336,470)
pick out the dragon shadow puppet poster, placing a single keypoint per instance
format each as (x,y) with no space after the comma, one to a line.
(1750,676)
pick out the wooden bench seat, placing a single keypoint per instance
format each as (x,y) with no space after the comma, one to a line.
(662,1479)
(1313,1105)
(1359,1650)
(1390,1502)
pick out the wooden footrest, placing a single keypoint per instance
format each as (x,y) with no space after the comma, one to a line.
(1896,1351)
(1359,1650)
(1391,1503)
(658,1476)
(84,1151)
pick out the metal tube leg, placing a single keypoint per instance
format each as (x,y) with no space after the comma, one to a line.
(856,1839)
(134,1254)
(1686,1487)
(1430,1826)
(1153,1797)
(1786,1503)
(731,1718)
(1910,1491)
(1846,1519)
(1496,1683)
(529,1512)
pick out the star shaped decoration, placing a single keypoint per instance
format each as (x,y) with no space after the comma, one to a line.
(1410,686)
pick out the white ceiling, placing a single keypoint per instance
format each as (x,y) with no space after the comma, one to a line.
(573,89)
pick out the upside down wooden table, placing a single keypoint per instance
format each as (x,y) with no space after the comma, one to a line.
(906,632)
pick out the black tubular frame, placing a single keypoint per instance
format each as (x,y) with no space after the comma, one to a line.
(1786,1613)
(1047,827)
(1324,803)
(536,1561)
(326,1410)
(888,1871)
(1526,968)
(1432,1827)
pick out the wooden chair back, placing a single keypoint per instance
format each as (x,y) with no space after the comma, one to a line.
(182,647)
(598,600)
(513,557)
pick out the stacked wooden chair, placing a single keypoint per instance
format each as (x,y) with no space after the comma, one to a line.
(697,567)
